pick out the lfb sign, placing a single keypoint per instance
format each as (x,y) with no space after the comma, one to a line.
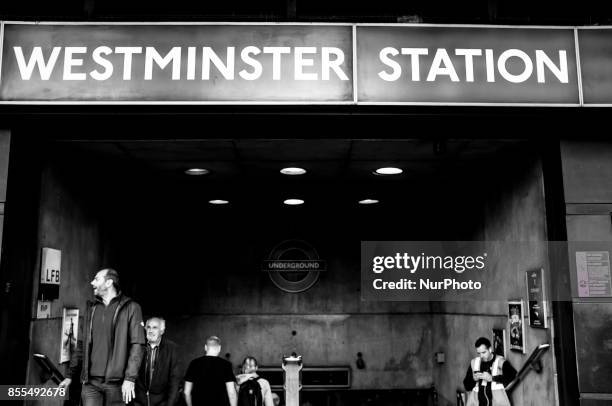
(51,263)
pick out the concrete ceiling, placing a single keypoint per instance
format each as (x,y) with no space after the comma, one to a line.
(325,159)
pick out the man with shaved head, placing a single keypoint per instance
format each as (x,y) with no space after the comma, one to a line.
(159,377)
(210,380)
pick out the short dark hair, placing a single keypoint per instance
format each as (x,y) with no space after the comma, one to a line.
(113,275)
(249,357)
(483,341)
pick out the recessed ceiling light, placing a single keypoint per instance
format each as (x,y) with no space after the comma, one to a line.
(368,201)
(293,171)
(197,171)
(389,170)
(293,202)
(218,201)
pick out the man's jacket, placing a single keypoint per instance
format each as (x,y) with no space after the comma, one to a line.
(164,385)
(127,341)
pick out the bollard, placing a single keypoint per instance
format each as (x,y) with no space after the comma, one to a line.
(292,366)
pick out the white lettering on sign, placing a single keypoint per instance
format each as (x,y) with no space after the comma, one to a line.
(226,69)
(51,262)
(127,59)
(442,65)
(512,65)
(309,63)
(174,56)
(37,59)
(104,63)
(70,61)
(252,62)
(469,55)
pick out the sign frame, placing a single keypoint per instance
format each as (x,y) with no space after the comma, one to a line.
(50,257)
(535,298)
(476,104)
(588,28)
(172,102)
(355,69)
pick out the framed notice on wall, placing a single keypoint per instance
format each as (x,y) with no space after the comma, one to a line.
(43,309)
(594,275)
(70,331)
(536,299)
(499,342)
(516,325)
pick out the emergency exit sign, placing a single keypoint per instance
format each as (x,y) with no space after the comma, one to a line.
(51,263)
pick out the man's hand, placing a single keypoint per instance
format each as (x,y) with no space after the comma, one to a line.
(486,376)
(127,390)
(65,383)
(242,378)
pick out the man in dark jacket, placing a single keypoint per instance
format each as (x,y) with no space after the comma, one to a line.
(159,376)
(113,345)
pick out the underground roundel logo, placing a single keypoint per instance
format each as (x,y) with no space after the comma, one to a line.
(294,266)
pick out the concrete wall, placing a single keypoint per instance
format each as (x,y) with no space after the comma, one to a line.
(67,221)
(396,348)
(328,324)
(514,211)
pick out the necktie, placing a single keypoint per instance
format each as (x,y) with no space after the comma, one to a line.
(152,363)
(152,366)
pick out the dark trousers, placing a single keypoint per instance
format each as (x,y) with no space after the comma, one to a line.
(153,399)
(96,392)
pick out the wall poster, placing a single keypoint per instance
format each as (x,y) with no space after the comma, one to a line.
(70,330)
(517,326)
(499,342)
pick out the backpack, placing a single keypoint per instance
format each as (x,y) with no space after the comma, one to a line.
(249,393)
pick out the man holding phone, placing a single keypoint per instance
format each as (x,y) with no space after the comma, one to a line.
(487,376)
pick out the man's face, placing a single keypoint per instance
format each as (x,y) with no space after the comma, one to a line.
(154,331)
(249,366)
(213,349)
(275,399)
(484,352)
(100,284)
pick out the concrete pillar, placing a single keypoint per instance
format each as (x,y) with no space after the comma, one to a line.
(5,146)
(587,184)
(5,284)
